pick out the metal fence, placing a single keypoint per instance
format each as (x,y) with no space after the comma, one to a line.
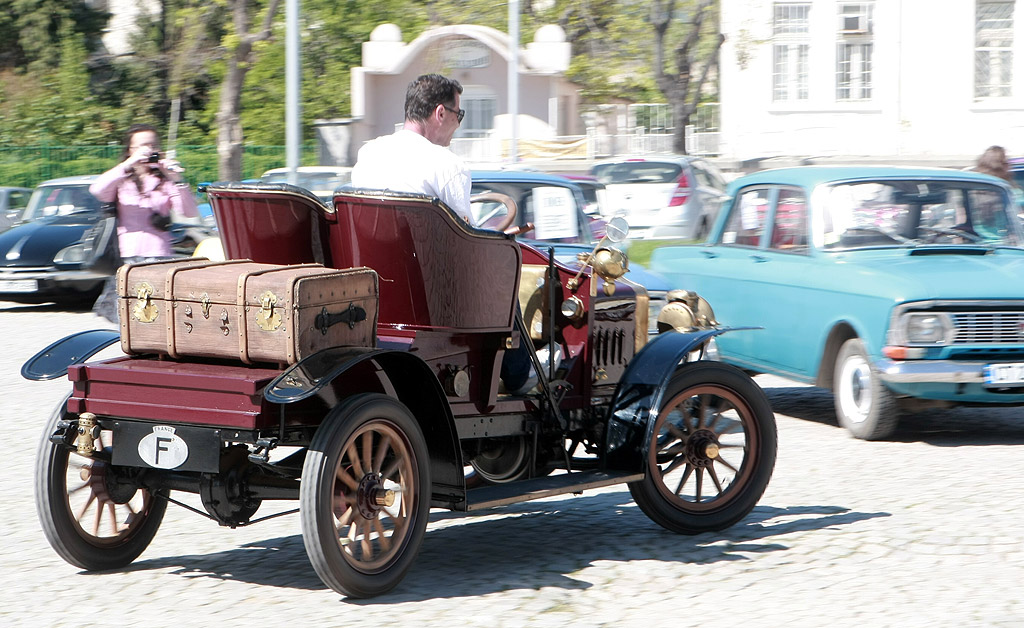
(478,150)
(27,166)
(649,131)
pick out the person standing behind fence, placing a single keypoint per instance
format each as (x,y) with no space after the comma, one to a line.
(148,189)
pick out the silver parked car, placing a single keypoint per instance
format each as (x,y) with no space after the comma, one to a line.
(673,196)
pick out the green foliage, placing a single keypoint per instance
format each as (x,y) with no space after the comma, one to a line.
(640,251)
(53,105)
(54,89)
(31,30)
(28,166)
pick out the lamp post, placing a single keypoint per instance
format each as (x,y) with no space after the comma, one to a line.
(513,78)
(292,105)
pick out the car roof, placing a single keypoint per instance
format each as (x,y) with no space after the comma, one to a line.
(82,178)
(316,169)
(811,176)
(520,176)
(676,159)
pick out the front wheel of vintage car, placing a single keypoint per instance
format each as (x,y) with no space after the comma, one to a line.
(365,495)
(91,518)
(711,451)
(864,406)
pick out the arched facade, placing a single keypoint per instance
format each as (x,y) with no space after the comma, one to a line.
(476,56)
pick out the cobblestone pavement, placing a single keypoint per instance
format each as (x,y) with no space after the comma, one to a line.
(922,530)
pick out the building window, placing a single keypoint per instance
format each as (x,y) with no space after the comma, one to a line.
(854,52)
(790,48)
(993,50)
(481,106)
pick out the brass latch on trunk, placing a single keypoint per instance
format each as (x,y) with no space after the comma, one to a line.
(269,317)
(145,310)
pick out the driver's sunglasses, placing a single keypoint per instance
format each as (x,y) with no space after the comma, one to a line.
(459,113)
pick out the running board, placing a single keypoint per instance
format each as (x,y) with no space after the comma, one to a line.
(537,488)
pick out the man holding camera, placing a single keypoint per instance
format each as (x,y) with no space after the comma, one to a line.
(147,189)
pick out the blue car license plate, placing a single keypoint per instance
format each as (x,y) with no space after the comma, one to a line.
(1004,374)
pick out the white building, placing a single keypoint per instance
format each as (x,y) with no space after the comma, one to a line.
(476,56)
(901,80)
(123,14)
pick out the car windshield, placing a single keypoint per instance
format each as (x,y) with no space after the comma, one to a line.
(914,212)
(552,209)
(59,200)
(637,172)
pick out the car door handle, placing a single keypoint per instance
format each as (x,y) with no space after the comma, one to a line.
(759,258)
(709,254)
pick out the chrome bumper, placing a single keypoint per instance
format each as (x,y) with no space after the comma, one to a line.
(936,371)
(53,275)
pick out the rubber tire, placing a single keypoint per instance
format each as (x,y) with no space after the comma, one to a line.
(319,534)
(879,419)
(59,526)
(739,500)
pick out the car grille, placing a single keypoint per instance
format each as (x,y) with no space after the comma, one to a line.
(988,327)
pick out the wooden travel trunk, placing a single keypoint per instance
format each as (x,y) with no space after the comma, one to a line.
(244,310)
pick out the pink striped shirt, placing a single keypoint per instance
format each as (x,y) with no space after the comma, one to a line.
(136,236)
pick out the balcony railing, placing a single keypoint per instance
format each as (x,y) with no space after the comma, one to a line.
(582,147)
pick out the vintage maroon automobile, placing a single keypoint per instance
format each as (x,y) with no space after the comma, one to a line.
(368,439)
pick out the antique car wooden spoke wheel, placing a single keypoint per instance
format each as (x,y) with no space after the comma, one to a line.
(711,450)
(365,495)
(93,520)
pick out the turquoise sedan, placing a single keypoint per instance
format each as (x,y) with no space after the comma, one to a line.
(900,289)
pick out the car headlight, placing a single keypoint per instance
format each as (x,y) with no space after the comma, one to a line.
(926,328)
(75,254)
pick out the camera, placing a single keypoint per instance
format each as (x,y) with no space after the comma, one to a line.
(154,158)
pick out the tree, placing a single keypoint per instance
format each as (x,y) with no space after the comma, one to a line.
(241,47)
(31,30)
(332,35)
(680,88)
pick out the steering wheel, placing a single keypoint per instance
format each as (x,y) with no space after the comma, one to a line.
(497,197)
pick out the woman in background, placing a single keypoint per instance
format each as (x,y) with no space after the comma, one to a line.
(147,190)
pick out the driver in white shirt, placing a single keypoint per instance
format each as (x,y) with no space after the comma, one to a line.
(416,158)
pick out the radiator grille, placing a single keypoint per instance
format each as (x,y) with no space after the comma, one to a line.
(988,327)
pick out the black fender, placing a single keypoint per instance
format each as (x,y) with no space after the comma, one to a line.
(53,361)
(413,383)
(639,394)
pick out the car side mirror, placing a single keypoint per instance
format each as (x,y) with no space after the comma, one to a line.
(617,229)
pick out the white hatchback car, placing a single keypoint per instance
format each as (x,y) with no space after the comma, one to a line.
(673,196)
(320,180)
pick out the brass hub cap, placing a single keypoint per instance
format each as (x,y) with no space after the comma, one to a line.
(372,497)
(701,448)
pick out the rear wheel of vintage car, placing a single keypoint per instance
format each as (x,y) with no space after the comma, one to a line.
(712,450)
(864,406)
(91,519)
(365,495)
